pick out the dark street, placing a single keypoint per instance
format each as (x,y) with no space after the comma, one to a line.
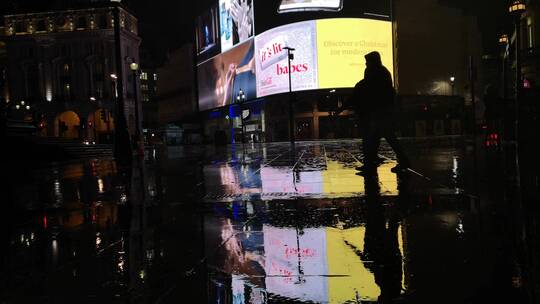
(266,223)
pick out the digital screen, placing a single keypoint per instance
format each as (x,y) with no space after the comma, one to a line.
(329,53)
(272,59)
(206,34)
(236,22)
(301,5)
(221,78)
(343,43)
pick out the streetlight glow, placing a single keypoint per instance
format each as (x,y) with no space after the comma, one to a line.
(113,76)
(503,39)
(134,66)
(517,7)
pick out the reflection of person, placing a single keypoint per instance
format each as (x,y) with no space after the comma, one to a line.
(374,104)
(241,13)
(381,243)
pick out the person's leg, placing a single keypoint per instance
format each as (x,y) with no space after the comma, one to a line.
(394,143)
(370,145)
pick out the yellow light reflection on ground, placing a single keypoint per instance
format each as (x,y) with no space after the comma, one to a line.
(340,179)
(342,260)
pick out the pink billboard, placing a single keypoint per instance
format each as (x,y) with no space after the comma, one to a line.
(272,62)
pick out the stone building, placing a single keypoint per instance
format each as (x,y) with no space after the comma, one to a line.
(62,71)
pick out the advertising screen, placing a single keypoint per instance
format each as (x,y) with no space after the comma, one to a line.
(342,44)
(206,33)
(236,22)
(300,5)
(329,53)
(221,78)
(272,61)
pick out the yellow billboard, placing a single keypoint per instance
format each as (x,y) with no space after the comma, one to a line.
(342,44)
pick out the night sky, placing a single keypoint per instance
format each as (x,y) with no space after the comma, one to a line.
(166,25)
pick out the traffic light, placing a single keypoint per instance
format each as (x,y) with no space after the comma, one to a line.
(103,115)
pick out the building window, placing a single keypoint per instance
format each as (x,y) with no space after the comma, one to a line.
(102,21)
(20,27)
(155,77)
(81,23)
(530,33)
(145,97)
(41,25)
(144,76)
(66,68)
(144,87)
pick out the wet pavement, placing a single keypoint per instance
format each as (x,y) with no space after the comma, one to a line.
(270,223)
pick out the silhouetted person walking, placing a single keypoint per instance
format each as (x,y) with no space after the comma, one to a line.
(374,102)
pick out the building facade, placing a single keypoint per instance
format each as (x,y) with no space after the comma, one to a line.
(63,71)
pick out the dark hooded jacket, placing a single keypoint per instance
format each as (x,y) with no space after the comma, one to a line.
(374,93)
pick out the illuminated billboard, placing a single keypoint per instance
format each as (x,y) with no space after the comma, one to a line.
(343,43)
(302,5)
(329,53)
(206,31)
(222,77)
(236,22)
(272,63)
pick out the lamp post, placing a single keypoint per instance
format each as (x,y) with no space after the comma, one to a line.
(241,98)
(290,56)
(122,144)
(516,9)
(452,84)
(135,70)
(503,41)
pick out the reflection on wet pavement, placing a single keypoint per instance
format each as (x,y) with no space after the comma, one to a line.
(260,223)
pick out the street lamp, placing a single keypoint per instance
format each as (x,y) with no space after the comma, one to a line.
(135,70)
(503,42)
(452,83)
(516,9)
(290,56)
(241,98)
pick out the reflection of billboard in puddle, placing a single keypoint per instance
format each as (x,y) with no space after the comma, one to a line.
(288,254)
(335,179)
(283,180)
(318,264)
